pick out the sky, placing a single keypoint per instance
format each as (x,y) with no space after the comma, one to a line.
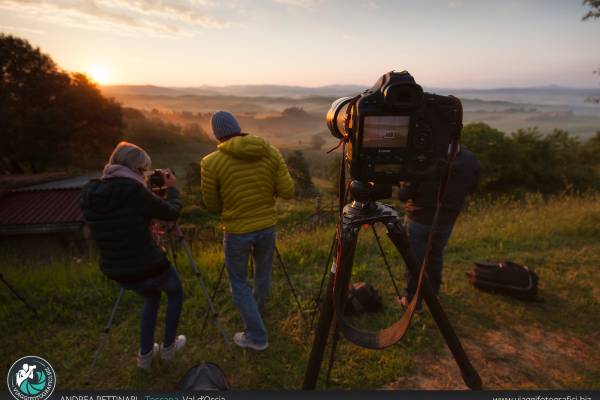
(443,43)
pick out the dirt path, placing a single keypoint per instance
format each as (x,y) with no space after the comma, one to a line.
(523,357)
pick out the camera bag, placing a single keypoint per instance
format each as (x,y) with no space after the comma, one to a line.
(362,298)
(203,377)
(506,277)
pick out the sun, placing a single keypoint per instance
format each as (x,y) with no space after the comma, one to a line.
(99,73)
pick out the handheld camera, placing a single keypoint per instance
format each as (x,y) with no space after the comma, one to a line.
(156,181)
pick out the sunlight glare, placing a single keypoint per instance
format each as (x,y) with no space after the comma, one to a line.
(100,74)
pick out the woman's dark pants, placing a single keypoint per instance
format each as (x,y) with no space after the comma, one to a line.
(151,290)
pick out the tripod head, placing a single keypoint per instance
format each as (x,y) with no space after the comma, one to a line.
(366,194)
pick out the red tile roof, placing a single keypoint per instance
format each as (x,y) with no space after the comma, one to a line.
(18,180)
(40,207)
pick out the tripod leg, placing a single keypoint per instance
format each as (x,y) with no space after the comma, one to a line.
(17,295)
(327,266)
(204,289)
(387,264)
(320,340)
(470,376)
(292,288)
(334,342)
(106,331)
(213,297)
(346,248)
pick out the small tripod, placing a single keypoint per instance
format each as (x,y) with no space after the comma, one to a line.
(366,211)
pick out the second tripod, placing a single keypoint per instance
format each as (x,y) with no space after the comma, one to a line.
(284,269)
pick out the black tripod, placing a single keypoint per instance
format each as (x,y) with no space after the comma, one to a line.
(176,237)
(284,269)
(366,211)
(17,295)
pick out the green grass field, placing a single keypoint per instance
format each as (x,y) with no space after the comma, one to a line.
(547,345)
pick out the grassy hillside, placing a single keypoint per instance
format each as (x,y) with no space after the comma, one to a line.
(552,344)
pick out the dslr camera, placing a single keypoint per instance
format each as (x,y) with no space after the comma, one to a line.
(156,181)
(395,131)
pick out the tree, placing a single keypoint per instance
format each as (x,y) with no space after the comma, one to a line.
(594,11)
(333,173)
(192,177)
(317,141)
(528,161)
(50,118)
(590,152)
(300,172)
(195,131)
(497,155)
(94,124)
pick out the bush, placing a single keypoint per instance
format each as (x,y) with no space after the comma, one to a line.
(528,161)
(300,172)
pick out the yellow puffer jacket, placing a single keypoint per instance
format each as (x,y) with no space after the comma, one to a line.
(241,180)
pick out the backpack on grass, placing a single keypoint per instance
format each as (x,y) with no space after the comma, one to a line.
(362,297)
(507,277)
(203,377)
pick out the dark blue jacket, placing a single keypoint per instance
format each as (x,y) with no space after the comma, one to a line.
(421,197)
(118,212)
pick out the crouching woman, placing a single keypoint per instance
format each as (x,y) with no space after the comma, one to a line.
(119,208)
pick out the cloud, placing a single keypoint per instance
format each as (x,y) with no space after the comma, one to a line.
(455,3)
(8,28)
(300,3)
(154,17)
(373,5)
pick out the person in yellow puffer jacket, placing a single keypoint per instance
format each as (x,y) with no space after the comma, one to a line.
(240,181)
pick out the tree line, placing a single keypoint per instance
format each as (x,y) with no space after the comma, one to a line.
(529,161)
(525,161)
(50,118)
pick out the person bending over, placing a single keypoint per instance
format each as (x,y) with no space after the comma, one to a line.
(420,204)
(119,208)
(240,181)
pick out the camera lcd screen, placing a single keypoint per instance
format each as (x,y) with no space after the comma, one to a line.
(387,131)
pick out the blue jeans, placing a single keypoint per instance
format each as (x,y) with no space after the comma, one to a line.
(417,236)
(151,289)
(238,247)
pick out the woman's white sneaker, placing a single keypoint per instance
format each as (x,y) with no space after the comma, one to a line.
(168,353)
(144,361)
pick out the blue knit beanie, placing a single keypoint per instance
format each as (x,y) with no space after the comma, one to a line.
(224,124)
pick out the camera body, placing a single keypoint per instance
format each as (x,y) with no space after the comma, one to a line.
(396,131)
(157,180)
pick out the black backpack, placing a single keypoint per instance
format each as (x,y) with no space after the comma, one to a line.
(203,377)
(507,278)
(362,297)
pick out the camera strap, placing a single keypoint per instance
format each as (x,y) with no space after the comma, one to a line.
(393,333)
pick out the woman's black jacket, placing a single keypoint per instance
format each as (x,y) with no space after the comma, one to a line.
(118,212)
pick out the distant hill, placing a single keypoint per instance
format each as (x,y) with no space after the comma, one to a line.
(262,107)
(235,90)
(335,91)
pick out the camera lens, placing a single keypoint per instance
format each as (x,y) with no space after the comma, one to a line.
(336,117)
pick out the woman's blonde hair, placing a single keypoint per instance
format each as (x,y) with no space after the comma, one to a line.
(131,156)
